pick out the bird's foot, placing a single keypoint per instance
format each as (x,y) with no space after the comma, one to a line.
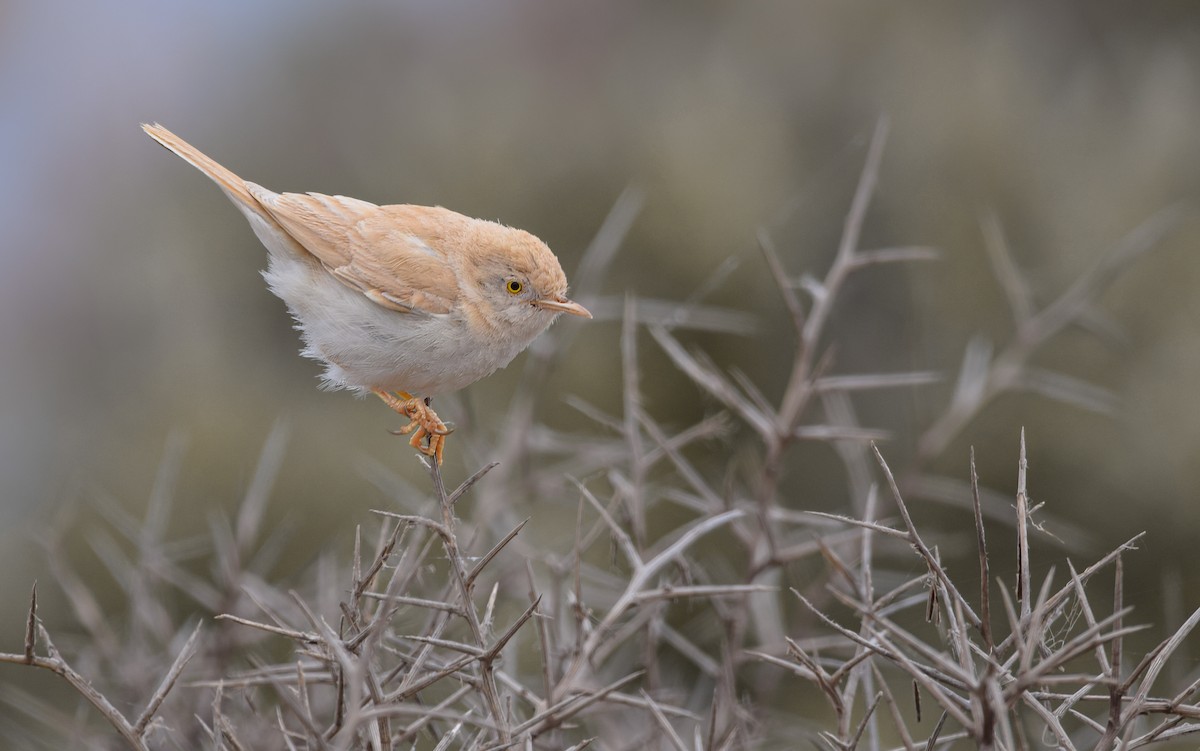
(429,432)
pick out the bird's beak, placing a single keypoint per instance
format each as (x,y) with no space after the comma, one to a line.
(561,304)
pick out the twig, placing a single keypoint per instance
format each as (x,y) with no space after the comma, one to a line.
(985,577)
(168,682)
(56,664)
(1023,573)
(463,582)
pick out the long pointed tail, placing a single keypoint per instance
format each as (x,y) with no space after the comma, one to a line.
(234,186)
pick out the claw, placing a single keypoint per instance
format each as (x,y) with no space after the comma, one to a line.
(430,432)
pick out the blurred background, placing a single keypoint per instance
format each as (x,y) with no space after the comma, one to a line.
(131,309)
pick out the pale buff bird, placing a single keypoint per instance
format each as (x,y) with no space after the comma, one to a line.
(401,301)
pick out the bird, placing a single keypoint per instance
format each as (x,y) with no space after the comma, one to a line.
(402,301)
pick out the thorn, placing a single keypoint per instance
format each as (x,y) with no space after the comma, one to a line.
(30,625)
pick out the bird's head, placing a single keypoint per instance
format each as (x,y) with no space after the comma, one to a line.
(516,281)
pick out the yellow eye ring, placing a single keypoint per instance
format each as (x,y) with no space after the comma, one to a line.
(514,287)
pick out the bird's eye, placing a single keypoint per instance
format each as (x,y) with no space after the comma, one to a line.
(514,287)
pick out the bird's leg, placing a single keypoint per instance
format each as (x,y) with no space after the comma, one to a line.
(422,419)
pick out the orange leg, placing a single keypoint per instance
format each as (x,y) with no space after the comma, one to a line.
(422,419)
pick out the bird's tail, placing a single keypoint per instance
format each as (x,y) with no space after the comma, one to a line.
(234,186)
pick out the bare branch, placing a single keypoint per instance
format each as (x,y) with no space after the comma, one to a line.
(168,682)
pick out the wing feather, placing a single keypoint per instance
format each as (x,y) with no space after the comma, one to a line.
(388,253)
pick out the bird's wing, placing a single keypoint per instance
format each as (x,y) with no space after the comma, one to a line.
(391,254)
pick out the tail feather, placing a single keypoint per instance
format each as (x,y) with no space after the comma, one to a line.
(234,186)
(276,239)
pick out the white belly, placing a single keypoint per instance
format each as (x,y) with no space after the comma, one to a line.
(366,346)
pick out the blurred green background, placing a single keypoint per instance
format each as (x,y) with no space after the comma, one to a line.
(131,307)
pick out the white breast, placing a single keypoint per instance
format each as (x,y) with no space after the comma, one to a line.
(365,346)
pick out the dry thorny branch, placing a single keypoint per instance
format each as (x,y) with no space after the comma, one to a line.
(443,632)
